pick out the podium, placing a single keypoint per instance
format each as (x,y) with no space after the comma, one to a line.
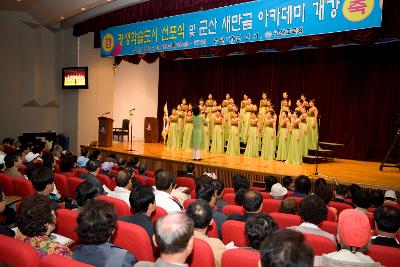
(105,131)
(151,130)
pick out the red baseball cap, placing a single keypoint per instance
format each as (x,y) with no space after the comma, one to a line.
(354,228)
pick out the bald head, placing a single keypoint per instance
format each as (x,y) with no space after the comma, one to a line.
(173,232)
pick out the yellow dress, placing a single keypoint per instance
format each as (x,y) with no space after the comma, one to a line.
(252,147)
(187,134)
(218,142)
(233,147)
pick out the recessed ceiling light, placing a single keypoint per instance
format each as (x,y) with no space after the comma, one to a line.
(108,0)
(19,0)
(62,18)
(83,9)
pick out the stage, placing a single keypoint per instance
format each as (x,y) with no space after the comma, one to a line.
(156,156)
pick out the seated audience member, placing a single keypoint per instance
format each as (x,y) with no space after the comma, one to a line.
(57,150)
(204,179)
(4,229)
(173,236)
(95,155)
(143,202)
(387,224)
(285,247)
(106,168)
(288,183)
(122,164)
(96,225)
(12,163)
(240,186)
(43,182)
(200,212)
(354,234)
(313,211)
(35,221)
(131,165)
(258,228)
(84,192)
(320,182)
(340,194)
(93,167)
(67,162)
(83,159)
(178,195)
(361,200)
(2,167)
(326,195)
(289,206)
(353,188)
(219,189)
(303,186)
(252,205)
(278,191)
(376,198)
(111,158)
(31,157)
(269,181)
(142,170)
(390,198)
(8,146)
(207,193)
(48,160)
(123,188)
(190,171)
(164,185)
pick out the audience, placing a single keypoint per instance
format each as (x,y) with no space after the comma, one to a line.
(4,229)
(67,163)
(313,211)
(320,182)
(354,234)
(353,188)
(326,195)
(258,228)
(173,236)
(341,193)
(122,164)
(95,155)
(96,225)
(201,214)
(284,248)
(31,157)
(303,186)
(43,182)
(123,187)
(190,171)
(288,183)
(278,191)
(35,221)
(289,206)
(164,185)
(240,186)
(93,167)
(106,168)
(142,170)
(362,201)
(2,167)
(387,224)
(13,162)
(143,202)
(390,198)
(84,192)
(219,189)
(269,182)
(252,205)
(83,159)
(48,160)
(376,198)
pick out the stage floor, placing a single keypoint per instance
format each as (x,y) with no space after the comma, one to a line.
(364,173)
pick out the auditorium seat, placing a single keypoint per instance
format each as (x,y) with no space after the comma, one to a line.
(339,206)
(134,239)
(22,169)
(266,195)
(240,257)
(331,216)
(371,220)
(62,184)
(69,174)
(261,189)
(189,183)
(73,183)
(187,202)
(231,209)
(387,256)
(113,184)
(22,187)
(105,180)
(61,261)
(120,206)
(319,244)
(212,230)
(330,227)
(234,231)
(149,174)
(285,220)
(271,205)
(17,253)
(80,171)
(66,223)
(7,183)
(151,181)
(202,255)
(230,198)
(297,199)
(159,212)
(140,179)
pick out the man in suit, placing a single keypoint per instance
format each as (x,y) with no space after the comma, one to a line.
(173,235)
(387,220)
(189,171)
(93,166)
(252,205)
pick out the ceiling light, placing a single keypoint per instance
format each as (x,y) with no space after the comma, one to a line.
(83,9)
(62,18)
(19,0)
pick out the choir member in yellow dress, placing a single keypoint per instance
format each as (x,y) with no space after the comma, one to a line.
(218,142)
(243,105)
(233,147)
(268,137)
(298,105)
(283,134)
(172,142)
(252,147)
(206,132)
(295,153)
(181,122)
(202,106)
(286,102)
(209,103)
(263,109)
(304,130)
(304,99)
(187,132)
(230,109)
(225,104)
(312,126)
(247,116)
(184,106)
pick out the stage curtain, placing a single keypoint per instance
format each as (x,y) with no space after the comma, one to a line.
(357,88)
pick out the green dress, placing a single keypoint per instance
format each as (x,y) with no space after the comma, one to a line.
(262,112)
(246,124)
(181,116)
(205,143)
(252,147)
(312,132)
(283,143)
(172,142)
(187,135)
(233,147)
(268,142)
(198,132)
(295,154)
(304,136)
(218,142)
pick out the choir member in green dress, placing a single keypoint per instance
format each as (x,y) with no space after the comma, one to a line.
(197,135)
(304,130)
(172,142)
(206,133)
(202,106)
(295,154)
(218,142)
(213,110)
(247,116)
(209,103)
(285,102)
(184,106)
(187,132)
(181,122)
(233,147)
(298,105)
(304,99)
(225,104)
(252,147)
(268,138)
(263,110)
(283,134)
(312,126)
(243,105)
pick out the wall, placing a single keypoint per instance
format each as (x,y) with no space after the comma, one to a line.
(135,86)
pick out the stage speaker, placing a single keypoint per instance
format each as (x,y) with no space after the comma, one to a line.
(151,133)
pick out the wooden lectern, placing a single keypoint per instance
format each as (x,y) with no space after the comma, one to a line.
(105,131)
(150,130)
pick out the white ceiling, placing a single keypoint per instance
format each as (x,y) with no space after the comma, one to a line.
(49,12)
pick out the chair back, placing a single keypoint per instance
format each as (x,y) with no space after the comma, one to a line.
(125,124)
(22,187)
(319,244)
(234,231)
(202,255)
(229,190)
(105,180)
(330,227)
(187,202)
(297,199)
(7,183)
(331,216)
(212,230)
(266,195)
(61,261)
(73,183)
(17,253)
(230,198)
(257,188)
(134,239)
(151,181)
(231,209)
(387,256)
(140,179)
(61,182)
(286,220)
(189,183)
(271,205)
(80,171)
(70,174)
(150,174)
(66,224)
(240,257)
(339,206)
(120,206)
(159,212)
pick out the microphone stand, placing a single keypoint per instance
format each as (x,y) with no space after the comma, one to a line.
(131,133)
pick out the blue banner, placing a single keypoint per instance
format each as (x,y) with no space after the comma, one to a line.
(242,23)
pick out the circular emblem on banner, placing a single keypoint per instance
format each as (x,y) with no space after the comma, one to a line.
(357,10)
(107,43)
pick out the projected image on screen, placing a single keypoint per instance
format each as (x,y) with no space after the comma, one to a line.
(75,78)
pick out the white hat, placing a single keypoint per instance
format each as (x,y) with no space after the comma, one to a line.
(2,159)
(277,190)
(30,156)
(391,194)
